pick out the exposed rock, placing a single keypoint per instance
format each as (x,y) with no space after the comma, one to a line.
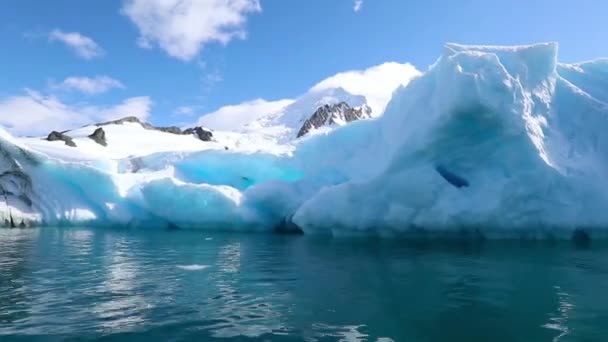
(131,119)
(335,114)
(170,129)
(99,136)
(199,132)
(56,136)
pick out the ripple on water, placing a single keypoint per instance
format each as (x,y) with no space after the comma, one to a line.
(145,285)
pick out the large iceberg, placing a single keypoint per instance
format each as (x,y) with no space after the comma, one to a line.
(495,141)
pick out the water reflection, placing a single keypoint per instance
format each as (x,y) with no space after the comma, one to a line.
(120,306)
(127,285)
(559,322)
(241,311)
(15,248)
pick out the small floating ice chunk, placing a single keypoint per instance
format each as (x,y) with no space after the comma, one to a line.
(193,267)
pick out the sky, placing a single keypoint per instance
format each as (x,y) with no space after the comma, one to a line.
(72,62)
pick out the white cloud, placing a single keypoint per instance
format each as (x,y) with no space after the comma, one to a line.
(96,85)
(358,5)
(84,46)
(376,83)
(36,114)
(185,110)
(234,117)
(183,27)
(139,106)
(213,78)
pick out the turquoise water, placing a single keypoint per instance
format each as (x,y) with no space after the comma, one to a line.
(116,285)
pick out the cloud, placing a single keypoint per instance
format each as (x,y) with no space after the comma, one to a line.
(186,110)
(376,83)
(84,46)
(96,85)
(36,114)
(213,78)
(358,5)
(234,117)
(139,106)
(183,27)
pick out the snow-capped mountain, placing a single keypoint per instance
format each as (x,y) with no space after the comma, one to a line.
(294,115)
(338,114)
(283,124)
(272,133)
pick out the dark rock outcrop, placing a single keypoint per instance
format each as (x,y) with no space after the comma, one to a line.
(170,129)
(338,113)
(58,136)
(199,132)
(131,119)
(99,136)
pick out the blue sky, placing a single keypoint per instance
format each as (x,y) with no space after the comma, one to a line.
(138,55)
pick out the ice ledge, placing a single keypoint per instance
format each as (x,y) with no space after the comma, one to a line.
(530,64)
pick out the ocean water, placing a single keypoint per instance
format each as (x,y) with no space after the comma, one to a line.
(135,285)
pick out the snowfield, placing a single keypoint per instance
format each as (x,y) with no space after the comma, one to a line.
(491,141)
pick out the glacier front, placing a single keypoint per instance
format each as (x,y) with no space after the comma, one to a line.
(495,141)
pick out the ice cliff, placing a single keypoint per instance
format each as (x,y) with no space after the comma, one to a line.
(492,141)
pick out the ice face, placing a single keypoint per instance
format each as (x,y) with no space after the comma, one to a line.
(502,140)
(525,139)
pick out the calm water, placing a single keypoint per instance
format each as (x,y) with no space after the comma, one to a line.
(71,284)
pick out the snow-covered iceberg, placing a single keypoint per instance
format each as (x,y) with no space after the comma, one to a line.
(499,141)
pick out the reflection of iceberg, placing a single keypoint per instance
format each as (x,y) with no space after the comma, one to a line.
(239,312)
(525,133)
(122,306)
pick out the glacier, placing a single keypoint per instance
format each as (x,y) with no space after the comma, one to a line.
(490,140)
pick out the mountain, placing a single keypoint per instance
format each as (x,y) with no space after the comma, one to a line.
(294,115)
(286,118)
(337,114)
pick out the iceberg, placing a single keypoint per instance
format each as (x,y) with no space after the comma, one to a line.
(498,141)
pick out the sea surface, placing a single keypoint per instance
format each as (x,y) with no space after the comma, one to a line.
(135,285)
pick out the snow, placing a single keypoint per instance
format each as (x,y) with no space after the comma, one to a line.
(501,141)
(132,140)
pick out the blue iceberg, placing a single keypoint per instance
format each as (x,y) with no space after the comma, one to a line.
(504,141)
